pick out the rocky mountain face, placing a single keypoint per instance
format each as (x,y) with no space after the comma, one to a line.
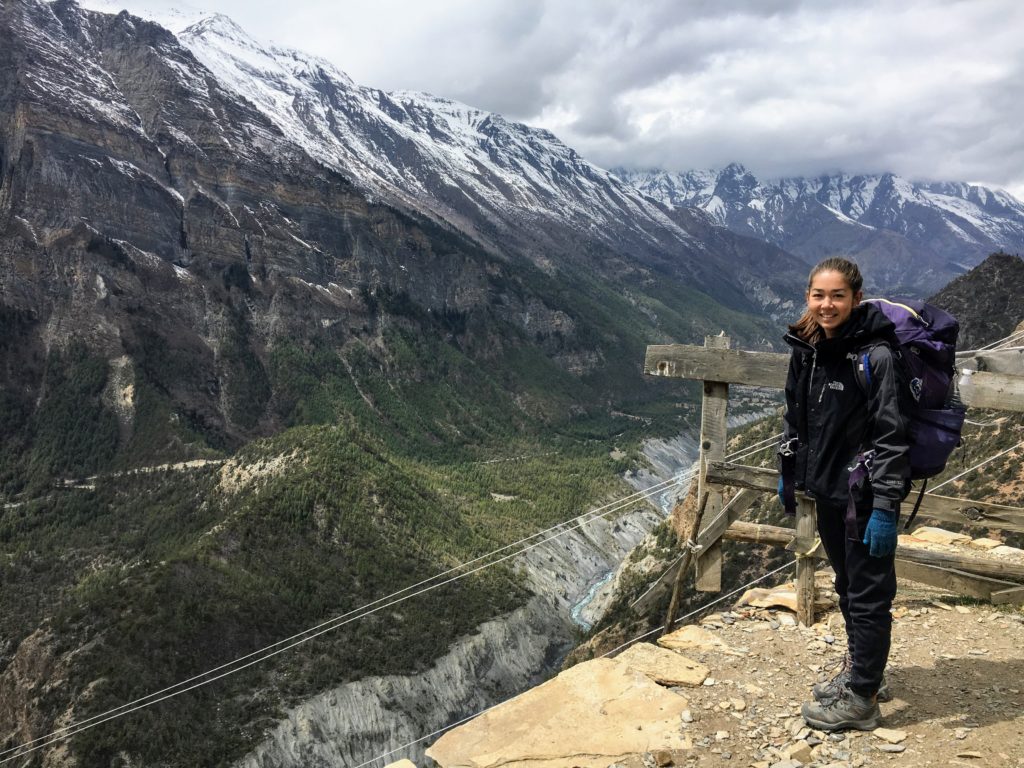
(353,300)
(343,726)
(909,236)
(507,184)
(987,300)
(211,198)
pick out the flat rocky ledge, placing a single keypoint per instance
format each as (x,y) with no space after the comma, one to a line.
(956,672)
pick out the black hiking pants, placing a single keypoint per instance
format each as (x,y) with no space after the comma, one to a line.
(866,587)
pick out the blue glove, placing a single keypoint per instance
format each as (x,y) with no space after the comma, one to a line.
(880,535)
(791,509)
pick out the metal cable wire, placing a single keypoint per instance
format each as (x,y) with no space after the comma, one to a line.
(1015,336)
(660,629)
(300,638)
(604,655)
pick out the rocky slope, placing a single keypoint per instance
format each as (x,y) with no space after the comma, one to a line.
(907,235)
(355,723)
(987,300)
(503,182)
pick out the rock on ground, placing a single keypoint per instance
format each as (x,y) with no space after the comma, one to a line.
(957,677)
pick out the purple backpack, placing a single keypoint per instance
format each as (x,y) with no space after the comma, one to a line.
(927,349)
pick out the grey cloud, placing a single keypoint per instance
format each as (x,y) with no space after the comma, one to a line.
(924,88)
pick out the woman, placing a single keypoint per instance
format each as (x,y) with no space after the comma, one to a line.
(835,419)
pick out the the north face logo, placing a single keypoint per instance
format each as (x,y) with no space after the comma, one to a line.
(837,385)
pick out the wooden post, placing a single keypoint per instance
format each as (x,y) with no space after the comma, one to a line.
(684,567)
(713,421)
(805,529)
(709,533)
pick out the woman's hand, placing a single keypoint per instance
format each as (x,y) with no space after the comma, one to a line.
(880,535)
(789,509)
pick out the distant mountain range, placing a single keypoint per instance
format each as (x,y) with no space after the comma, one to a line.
(911,236)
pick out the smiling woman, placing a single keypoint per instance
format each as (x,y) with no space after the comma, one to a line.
(831,423)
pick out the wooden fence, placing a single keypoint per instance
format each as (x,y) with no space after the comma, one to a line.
(997,384)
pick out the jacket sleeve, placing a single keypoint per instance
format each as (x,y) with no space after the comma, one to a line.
(787,446)
(890,468)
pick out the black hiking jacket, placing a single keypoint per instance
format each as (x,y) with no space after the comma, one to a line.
(834,419)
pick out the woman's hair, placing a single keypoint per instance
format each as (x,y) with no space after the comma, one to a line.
(807,327)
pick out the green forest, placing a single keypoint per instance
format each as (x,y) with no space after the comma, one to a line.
(383,470)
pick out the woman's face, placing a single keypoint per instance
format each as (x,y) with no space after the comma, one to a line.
(830,300)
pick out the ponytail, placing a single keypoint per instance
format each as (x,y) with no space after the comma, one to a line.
(807,328)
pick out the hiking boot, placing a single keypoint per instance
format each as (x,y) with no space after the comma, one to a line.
(847,711)
(830,688)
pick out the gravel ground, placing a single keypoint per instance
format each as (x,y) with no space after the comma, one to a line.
(956,672)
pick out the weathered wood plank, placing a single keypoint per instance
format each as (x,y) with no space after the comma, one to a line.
(1009,361)
(945,508)
(1000,391)
(759,533)
(994,569)
(719,524)
(708,577)
(709,534)
(981,566)
(713,434)
(684,361)
(762,479)
(771,535)
(1004,596)
(691,529)
(970,512)
(960,582)
(805,528)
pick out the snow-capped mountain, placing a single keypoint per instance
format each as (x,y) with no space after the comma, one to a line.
(468,166)
(515,189)
(411,142)
(917,235)
(189,262)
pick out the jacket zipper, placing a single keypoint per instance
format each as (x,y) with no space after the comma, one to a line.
(814,364)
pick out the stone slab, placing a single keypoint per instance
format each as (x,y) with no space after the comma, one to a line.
(986,543)
(663,666)
(586,717)
(692,637)
(783,596)
(939,536)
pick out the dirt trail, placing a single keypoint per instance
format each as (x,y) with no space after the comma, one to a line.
(956,671)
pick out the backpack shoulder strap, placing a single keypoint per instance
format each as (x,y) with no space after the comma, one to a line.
(861,360)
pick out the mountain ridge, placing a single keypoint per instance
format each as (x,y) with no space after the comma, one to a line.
(180,280)
(398,391)
(892,226)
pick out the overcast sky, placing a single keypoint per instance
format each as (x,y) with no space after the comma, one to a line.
(929,89)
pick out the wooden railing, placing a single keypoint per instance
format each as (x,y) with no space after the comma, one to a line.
(997,384)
